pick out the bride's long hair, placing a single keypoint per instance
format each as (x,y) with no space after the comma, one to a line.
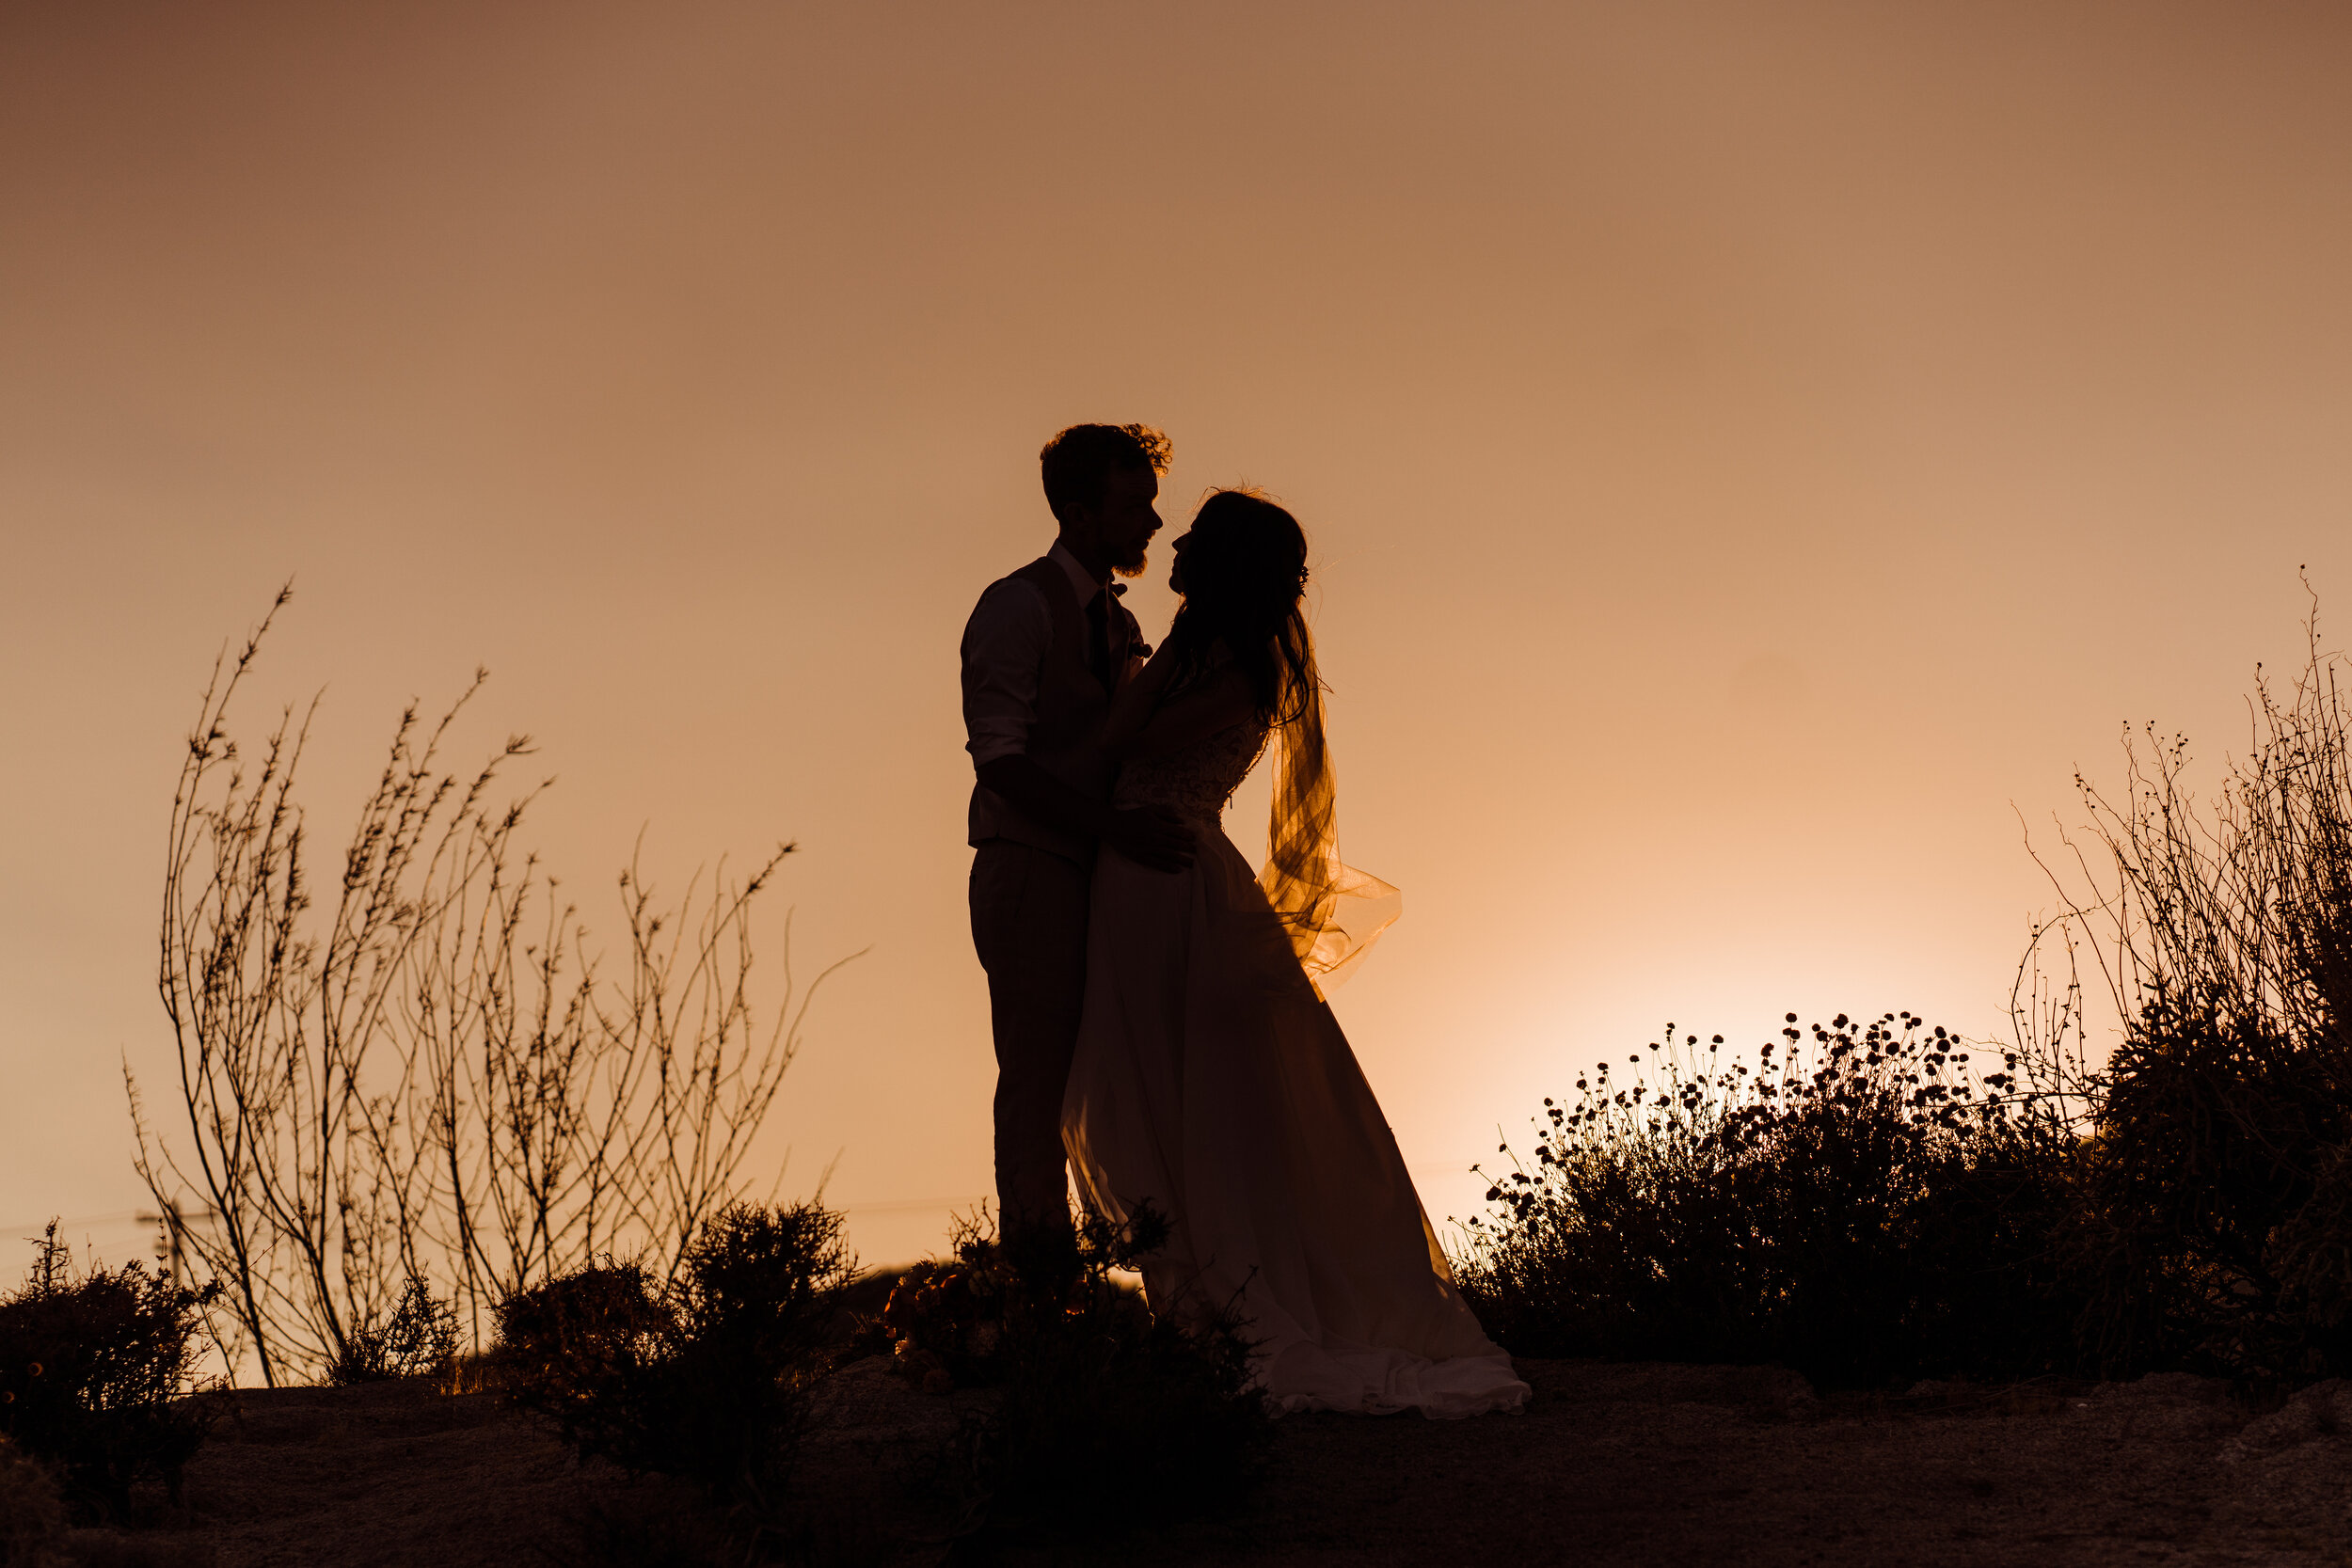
(1244,585)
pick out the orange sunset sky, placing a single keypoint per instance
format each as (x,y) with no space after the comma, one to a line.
(1753,454)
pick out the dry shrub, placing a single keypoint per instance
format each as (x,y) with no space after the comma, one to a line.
(413,1068)
(418,1338)
(94,1370)
(2215,1224)
(1866,1207)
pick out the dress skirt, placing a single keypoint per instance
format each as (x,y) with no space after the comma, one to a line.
(1212,1081)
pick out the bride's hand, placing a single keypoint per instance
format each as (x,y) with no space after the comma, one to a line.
(1141,696)
(1159,668)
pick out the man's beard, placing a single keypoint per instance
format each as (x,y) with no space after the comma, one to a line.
(1133,568)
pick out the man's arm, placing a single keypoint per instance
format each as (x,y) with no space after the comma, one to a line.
(1002,643)
(1149,835)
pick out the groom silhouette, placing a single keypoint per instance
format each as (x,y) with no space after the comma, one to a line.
(1045,651)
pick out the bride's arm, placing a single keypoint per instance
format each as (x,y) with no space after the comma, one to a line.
(1137,700)
(1142,723)
(1219,705)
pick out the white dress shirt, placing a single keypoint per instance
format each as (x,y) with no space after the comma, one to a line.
(1004,645)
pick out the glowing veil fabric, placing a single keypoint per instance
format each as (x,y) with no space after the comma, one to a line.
(1334,911)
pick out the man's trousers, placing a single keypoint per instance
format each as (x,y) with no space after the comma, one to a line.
(1030,926)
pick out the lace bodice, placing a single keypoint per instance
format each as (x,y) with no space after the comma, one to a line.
(1198,780)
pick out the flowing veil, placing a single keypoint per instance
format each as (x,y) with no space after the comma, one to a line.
(1333,912)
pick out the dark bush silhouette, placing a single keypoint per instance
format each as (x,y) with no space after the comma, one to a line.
(1113,1415)
(418,1338)
(2218,1215)
(2215,1225)
(705,1378)
(2185,1205)
(93,1371)
(1106,1416)
(562,1344)
(1867,1211)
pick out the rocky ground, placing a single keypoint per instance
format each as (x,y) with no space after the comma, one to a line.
(1611,1465)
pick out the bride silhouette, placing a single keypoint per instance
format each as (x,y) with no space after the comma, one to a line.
(1210,1078)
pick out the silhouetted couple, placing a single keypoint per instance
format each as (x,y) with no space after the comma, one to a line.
(1156,1010)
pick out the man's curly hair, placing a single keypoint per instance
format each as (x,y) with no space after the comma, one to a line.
(1077,464)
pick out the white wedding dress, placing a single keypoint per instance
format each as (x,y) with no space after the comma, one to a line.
(1212,1081)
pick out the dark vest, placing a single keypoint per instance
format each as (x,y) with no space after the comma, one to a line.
(1070,706)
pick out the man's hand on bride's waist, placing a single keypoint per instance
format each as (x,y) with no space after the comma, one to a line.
(1154,837)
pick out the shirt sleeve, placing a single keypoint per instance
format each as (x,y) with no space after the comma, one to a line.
(1004,649)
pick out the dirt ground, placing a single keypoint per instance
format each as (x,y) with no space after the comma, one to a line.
(1611,1465)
